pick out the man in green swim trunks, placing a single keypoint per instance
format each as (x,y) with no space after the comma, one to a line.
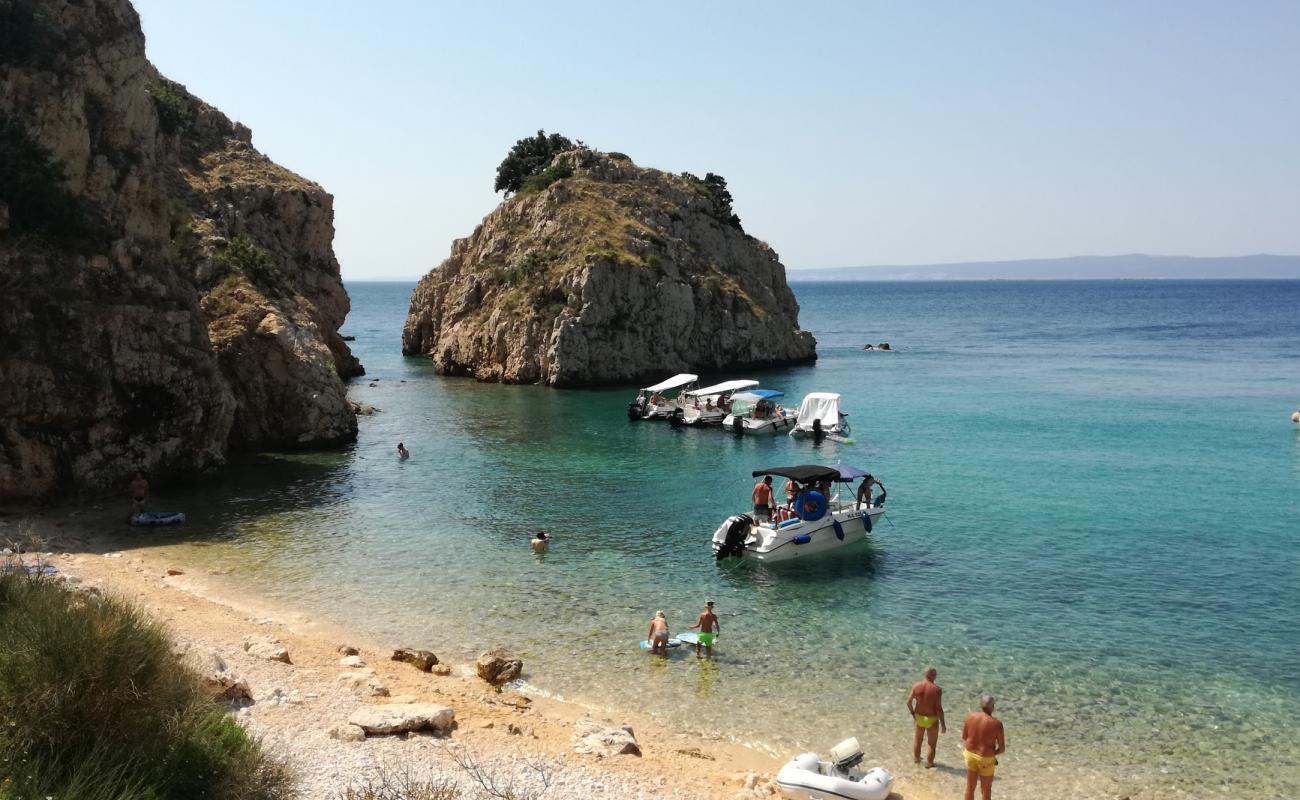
(709,628)
(925,704)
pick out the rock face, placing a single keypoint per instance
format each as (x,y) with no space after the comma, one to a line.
(611,274)
(170,294)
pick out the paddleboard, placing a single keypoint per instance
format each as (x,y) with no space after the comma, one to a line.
(693,637)
(673,642)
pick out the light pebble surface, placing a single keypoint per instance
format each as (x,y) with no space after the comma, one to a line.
(298,704)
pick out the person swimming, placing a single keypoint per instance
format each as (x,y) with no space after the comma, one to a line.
(541,542)
(402,452)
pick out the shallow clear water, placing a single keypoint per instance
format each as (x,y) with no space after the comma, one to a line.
(1094,513)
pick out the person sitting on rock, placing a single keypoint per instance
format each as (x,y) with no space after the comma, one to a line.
(541,542)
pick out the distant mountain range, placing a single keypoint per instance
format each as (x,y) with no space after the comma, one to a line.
(1077,268)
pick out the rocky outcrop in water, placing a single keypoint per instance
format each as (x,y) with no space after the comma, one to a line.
(170,293)
(612,272)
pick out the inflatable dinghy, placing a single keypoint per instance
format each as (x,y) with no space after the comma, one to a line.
(158,518)
(807,777)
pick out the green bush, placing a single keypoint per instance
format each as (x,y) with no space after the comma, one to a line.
(529,157)
(619,156)
(96,706)
(543,179)
(250,258)
(175,111)
(714,188)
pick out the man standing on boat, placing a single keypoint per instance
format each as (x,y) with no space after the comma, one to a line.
(864,490)
(763,499)
(925,704)
(983,740)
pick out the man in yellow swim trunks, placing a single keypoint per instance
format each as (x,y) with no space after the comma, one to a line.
(983,740)
(925,704)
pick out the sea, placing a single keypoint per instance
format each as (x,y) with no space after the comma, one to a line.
(1093,514)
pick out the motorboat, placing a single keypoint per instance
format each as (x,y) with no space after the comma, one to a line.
(709,405)
(820,519)
(820,415)
(757,411)
(807,777)
(661,400)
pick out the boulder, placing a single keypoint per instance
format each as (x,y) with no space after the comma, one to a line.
(348,650)
(498,666)
(365,682)
(267,647)
(351,661)
(403,718)
(604,738)
(441,669)
(422,660)
(347,732)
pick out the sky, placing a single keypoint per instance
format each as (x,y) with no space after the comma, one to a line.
(850,133)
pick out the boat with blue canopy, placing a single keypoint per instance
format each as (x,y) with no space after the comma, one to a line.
(759,412)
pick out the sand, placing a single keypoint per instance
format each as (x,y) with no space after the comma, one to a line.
(516,736)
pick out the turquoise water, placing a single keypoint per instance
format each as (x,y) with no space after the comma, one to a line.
(1093,514)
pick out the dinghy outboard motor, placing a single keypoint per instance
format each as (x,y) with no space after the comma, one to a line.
(817,431)
(737,532)
(737,425)
(636,409)
(846,755)
(678,419)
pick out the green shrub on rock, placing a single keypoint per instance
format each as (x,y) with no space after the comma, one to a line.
(529,157)
(173,105)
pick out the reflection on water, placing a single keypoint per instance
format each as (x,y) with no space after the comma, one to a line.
(1085,525)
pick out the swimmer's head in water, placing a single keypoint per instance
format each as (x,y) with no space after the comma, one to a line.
(400,444)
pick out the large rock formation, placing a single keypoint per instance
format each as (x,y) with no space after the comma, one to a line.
(612,273)
(169,292)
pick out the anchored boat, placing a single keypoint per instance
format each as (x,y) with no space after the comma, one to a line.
(757,412)
(661,400)
(708,406)
(820,519)
(820,415)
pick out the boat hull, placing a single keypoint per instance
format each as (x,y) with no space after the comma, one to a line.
(803,539)
(759,427)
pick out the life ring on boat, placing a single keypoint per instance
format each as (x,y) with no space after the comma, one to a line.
(810,506)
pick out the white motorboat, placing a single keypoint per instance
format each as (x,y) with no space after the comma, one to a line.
(661,400)
(806,777)
(820,520)
(757,412)
(709,405)
(820,415)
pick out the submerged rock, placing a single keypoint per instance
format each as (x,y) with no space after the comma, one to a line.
(170,294)
(614,273)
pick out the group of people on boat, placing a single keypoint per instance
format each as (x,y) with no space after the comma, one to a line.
(766,509)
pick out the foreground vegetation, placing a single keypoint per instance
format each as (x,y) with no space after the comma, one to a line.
(96,706)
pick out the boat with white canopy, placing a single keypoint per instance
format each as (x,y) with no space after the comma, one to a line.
(821,518)
(661,400)
(820,415)
(758,411)
(709,405)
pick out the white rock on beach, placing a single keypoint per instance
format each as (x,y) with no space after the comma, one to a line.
(604,738)
(267,647)
(347,732)
(352,661)
(402,718)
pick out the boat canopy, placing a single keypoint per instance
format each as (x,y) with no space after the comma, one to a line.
(824,406)
(757,394)
(848,473)
(804,473)
(674,382)
(722,388)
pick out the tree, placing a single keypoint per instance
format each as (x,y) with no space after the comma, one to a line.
(529,157)
(715,188)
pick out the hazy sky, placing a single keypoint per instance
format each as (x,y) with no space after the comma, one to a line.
(850,133)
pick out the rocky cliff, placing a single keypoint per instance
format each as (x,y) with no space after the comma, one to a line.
(610,273)
(169,293)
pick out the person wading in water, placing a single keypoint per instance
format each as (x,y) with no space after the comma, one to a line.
(925,704)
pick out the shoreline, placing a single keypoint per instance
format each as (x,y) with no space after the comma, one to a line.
(296,704)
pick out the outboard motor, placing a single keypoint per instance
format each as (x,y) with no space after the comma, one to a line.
(678,419)
(636,409)
(737,425)
(737,532)
(817,431)
(846,755)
